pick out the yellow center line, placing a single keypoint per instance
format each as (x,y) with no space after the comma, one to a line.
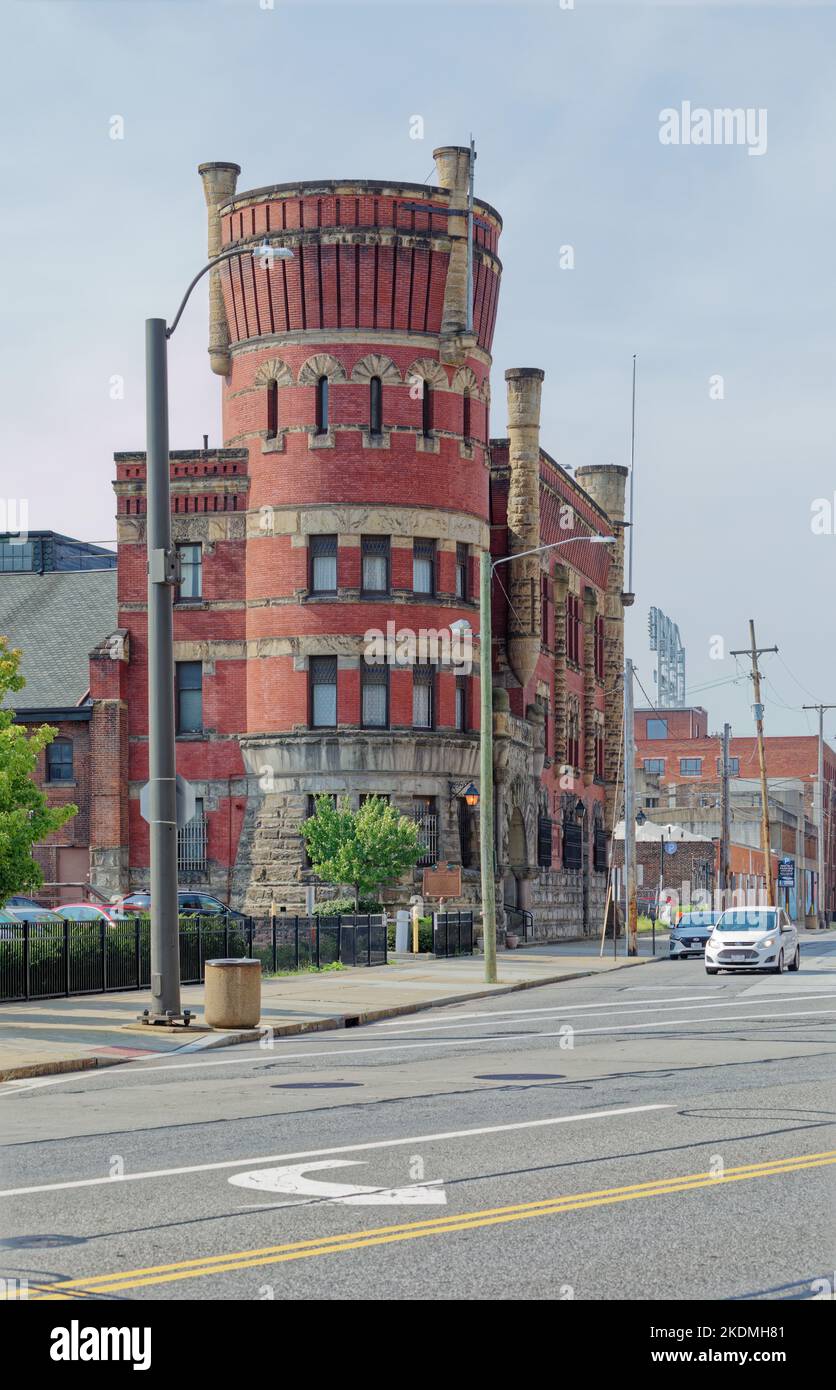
(385,1235)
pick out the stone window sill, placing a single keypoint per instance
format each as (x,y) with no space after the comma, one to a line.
(376,441)
(273,444)
(427,443)
(321,441)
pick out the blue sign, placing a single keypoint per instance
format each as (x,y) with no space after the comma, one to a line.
(786,873)
(670,847)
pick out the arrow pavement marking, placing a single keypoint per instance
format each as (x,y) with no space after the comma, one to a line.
(291,1179)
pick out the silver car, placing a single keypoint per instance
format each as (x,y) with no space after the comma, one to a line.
(690,934)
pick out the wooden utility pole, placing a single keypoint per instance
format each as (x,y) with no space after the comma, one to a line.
(754,652)
(821,895)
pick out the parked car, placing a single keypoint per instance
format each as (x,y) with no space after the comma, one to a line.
(190,904)
(32,914)
(689,936)
(8,925)
(18,901)
(90,912)
(753,938)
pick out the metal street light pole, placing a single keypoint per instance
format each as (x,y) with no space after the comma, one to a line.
(162,578)
(487,809)
(162,770)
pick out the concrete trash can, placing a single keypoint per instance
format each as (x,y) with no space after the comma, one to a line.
(233,993)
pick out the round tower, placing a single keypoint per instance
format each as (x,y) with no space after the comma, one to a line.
(362,400)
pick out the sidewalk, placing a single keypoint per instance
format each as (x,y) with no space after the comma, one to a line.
(96,1030)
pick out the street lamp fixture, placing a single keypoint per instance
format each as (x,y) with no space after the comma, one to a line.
(469,794)
(162,578)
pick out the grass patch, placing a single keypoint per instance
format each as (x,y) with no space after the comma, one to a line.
(303,970)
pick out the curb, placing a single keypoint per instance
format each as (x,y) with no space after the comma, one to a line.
(211,1041)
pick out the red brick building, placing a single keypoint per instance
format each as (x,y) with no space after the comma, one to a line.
(681,765)
(356,487)
(57,600)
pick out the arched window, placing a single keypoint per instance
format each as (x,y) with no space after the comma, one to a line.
(272,409)
(375,405)
(322,405)
(466,414)
(427,409)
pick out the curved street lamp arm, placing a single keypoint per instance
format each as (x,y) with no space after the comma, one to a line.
(538,550)
(217,260)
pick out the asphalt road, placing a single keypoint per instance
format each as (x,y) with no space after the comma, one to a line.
(654,1133)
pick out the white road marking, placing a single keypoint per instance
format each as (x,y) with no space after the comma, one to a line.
(291,1179)
(659,1006)
(341,1149)
(113,1073)
(547,1009)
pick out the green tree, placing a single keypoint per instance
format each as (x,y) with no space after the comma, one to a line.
(360,849)
(25,817)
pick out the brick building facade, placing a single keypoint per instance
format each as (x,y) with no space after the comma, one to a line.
(357,486)
(679,766)
(57,599)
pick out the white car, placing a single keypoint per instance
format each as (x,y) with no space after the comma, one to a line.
(753,938)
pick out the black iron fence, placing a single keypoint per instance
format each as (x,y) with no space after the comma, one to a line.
(294,943)
(453,934)
(43,960)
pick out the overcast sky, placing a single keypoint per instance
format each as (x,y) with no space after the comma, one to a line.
(705,260)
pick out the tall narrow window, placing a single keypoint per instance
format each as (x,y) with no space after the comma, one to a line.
(427,410)
(375,696)
(189,676)
(466,414)
(272,409)
(375,405)
(461,703)
(323,691)
(191,573)
(425,814)
(323,564)
(59,761)
(423,692)
(423,567)
(465,833)
(461,572)
(375,564)
(322,405)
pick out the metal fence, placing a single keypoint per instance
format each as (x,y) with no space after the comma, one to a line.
(453,934)
(44,960)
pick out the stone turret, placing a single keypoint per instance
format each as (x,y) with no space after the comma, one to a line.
(452,164)
(219,183)
(524,387)
(606,484)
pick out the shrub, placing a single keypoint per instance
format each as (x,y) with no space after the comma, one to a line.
(344,907)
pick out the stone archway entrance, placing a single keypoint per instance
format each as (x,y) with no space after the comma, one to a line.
(517,861)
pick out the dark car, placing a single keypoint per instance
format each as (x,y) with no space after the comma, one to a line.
(690,934)
(19,901)
(189,904)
